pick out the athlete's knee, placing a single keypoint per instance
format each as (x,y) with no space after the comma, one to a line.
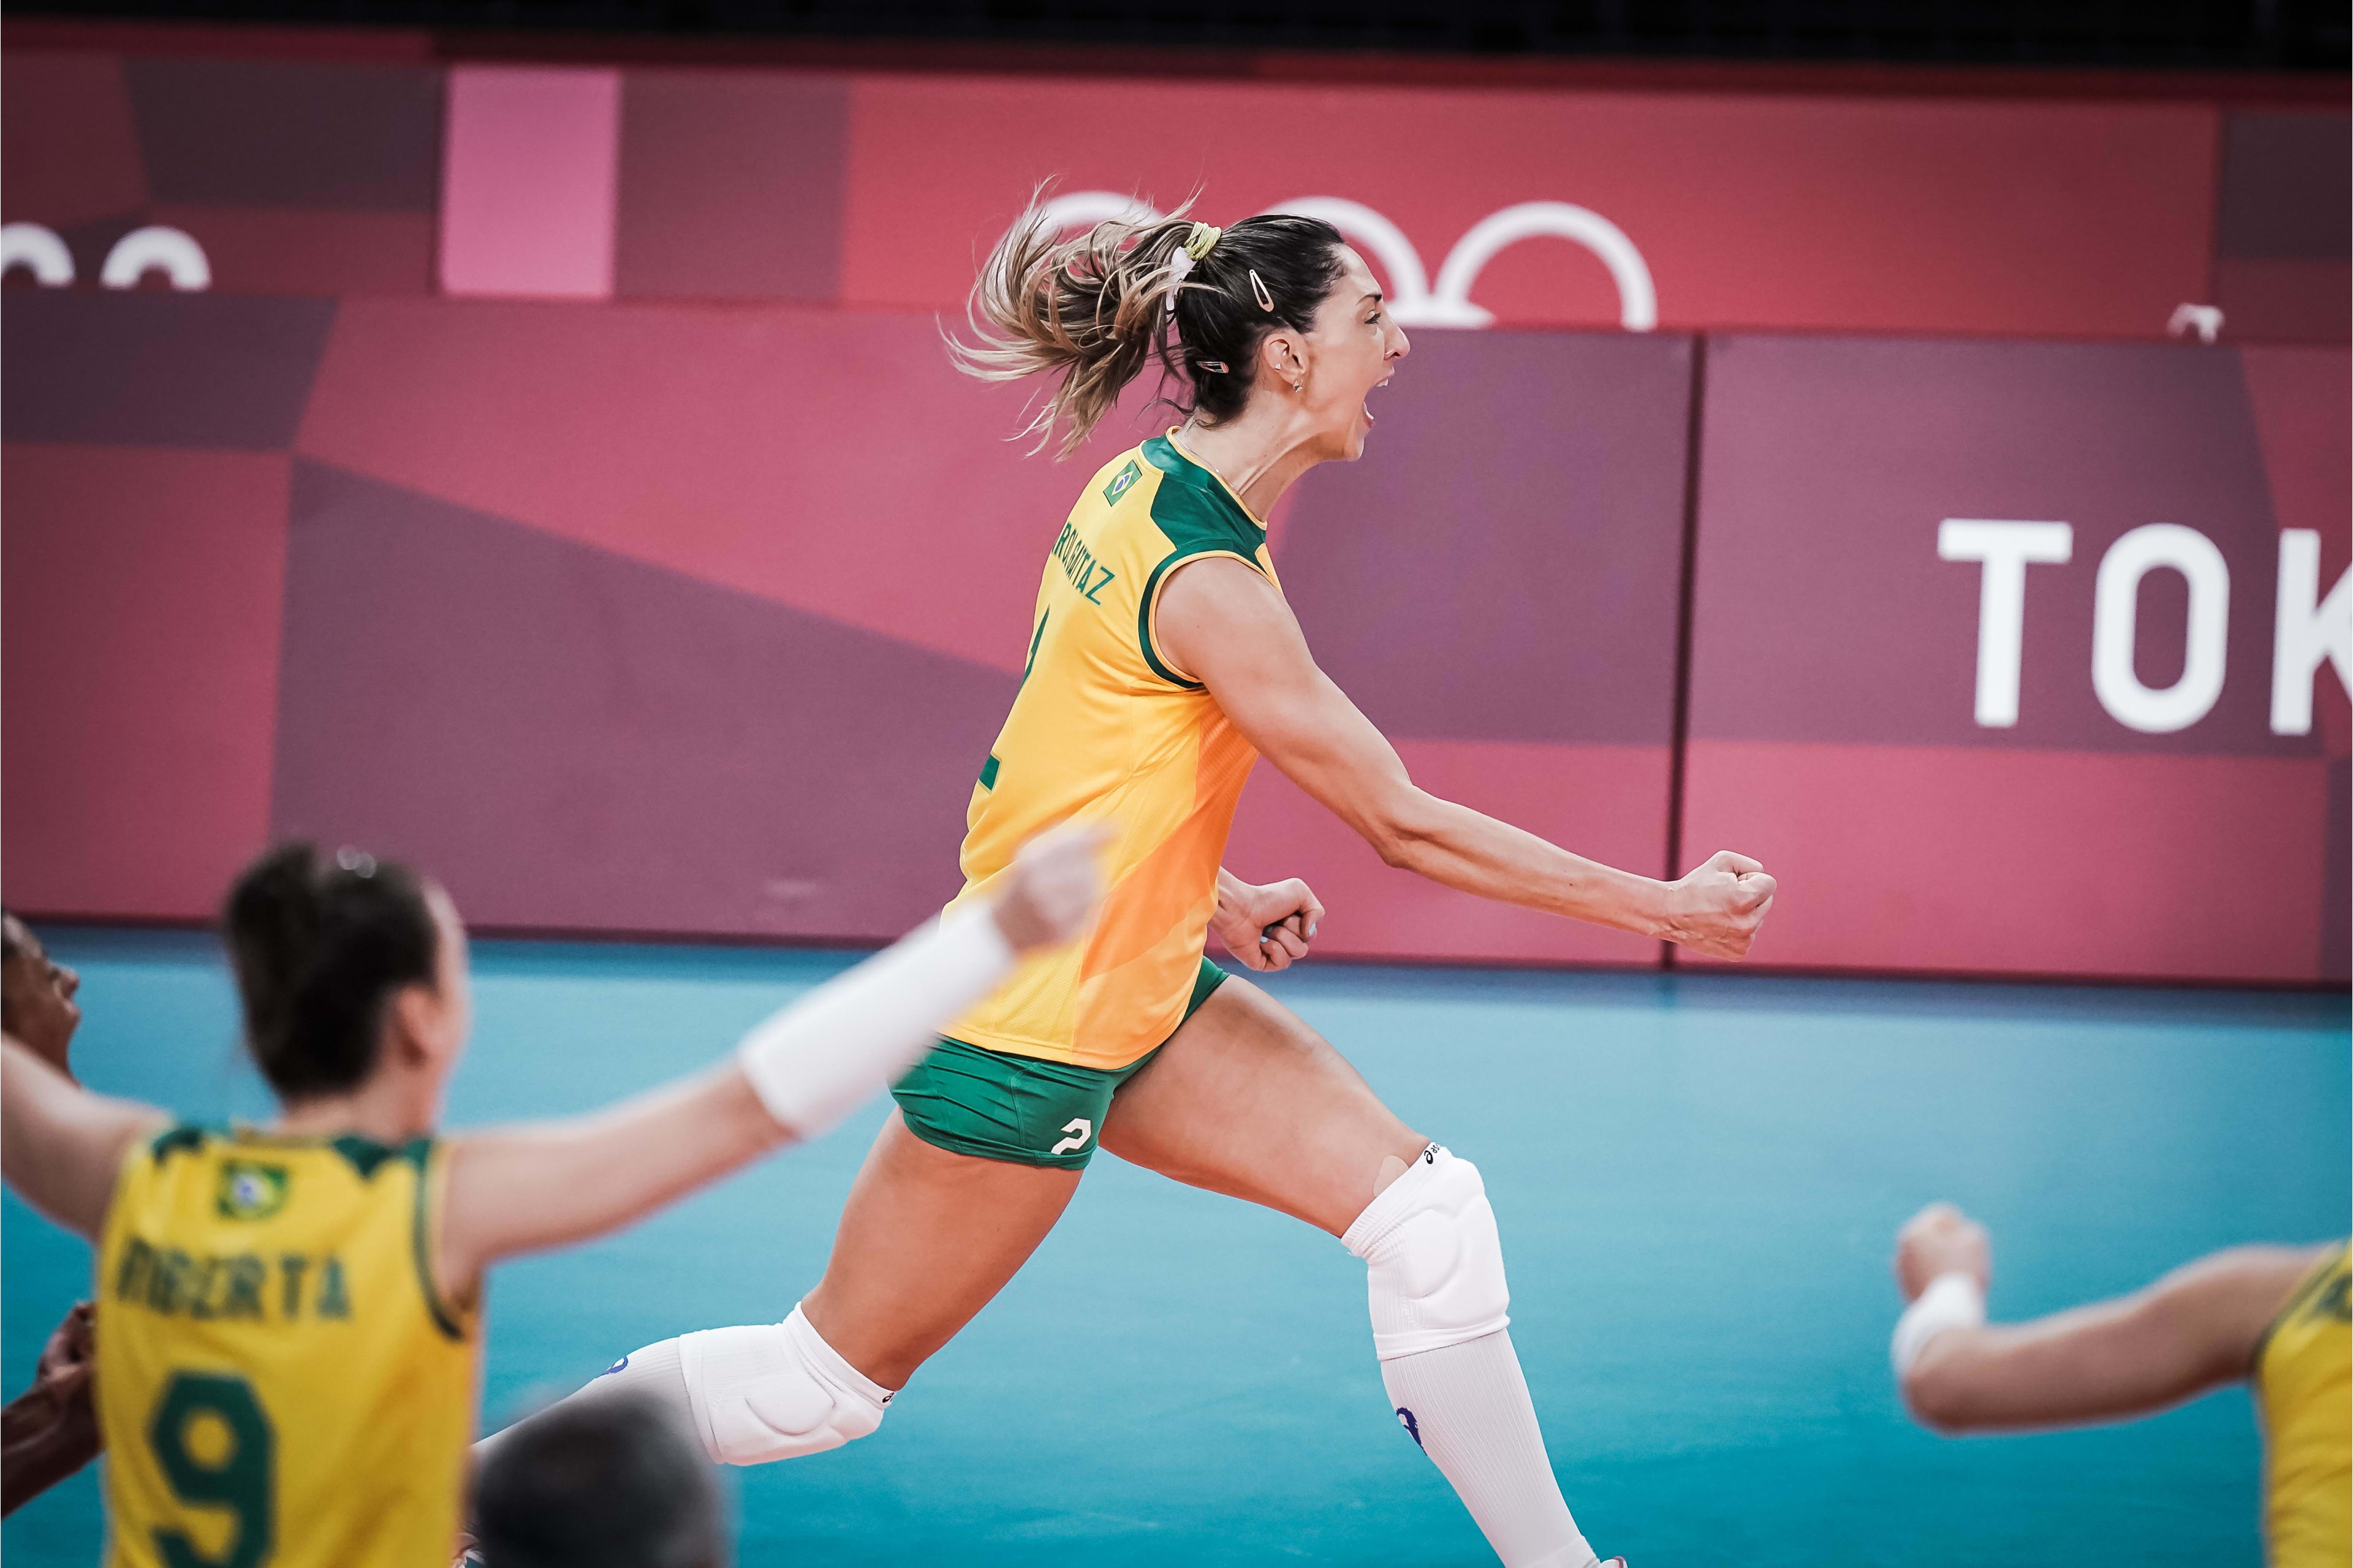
(773,1391)
(1433,1261)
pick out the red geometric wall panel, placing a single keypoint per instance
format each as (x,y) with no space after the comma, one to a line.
(1494,583)
(1863,214)
(214,371)
(573,740)
(731,186)
(2025,862)
(1982,661)
(2284,230)
(291,176)
(365,168)
(675,582)
(835,466)
(831,461)
(69,146)
(140,614)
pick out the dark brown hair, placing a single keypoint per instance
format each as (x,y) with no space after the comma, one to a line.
(1093,311)
(319,947)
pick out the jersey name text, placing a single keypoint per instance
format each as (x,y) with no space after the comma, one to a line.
(233,1285)
(1080,565)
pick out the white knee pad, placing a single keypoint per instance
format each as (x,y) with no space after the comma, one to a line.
(1434,1263)
(775,1390)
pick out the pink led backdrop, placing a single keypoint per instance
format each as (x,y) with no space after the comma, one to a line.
(552,473)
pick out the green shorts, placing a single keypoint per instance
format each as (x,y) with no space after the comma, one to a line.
(1019,1108)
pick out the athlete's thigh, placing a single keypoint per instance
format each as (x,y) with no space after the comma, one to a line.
(926,1239)
(1246,1099)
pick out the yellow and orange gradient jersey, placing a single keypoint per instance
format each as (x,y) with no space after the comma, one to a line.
(1105,726)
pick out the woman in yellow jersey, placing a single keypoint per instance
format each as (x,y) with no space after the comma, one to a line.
(2276,1317)
(286,1318)
(1161,661)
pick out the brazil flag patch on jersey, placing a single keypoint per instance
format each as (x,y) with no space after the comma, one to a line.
(249,1190)
(1128,474)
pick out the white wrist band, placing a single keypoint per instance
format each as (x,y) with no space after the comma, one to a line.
(1952,1300)
(815,1061)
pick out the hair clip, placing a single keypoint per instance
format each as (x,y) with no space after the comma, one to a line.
(1199,240)
(1265,300)
(1218,365)
(358,862)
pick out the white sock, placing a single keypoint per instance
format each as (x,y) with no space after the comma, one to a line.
(652,1374)
(1468,1407)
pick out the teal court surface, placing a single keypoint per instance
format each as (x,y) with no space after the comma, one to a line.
(1698,1179)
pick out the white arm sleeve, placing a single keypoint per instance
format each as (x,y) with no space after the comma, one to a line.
(815,1061)
(1951,1301)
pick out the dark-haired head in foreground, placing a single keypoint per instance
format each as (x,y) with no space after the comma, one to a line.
(598,1484)
(325,947)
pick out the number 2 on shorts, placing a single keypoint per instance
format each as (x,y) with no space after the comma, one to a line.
(240,1482)
(1080,1129)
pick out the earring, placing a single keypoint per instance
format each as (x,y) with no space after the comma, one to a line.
(1300,386)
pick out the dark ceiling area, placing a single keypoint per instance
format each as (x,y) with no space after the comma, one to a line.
(2213,35)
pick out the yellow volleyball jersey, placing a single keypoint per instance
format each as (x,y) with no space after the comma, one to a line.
(2300,1381)
(1105,726)
(281,1387)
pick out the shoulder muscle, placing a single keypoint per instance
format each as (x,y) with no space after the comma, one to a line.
(1218,614)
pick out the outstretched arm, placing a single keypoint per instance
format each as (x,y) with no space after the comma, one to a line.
(60,1145)
(1230,629)
(519,1189)
(2194,1329)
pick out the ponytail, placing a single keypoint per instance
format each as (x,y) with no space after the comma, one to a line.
(1093,311)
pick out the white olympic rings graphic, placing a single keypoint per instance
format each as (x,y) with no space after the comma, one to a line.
(155,249)
(1416,301)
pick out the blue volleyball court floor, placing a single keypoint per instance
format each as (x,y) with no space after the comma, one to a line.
(1698,1178)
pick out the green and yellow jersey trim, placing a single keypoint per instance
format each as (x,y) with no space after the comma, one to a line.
(1202,518)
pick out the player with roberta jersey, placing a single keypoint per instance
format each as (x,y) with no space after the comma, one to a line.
(1161,661)
(287,1317)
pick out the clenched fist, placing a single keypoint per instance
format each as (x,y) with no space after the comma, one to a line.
(1056,883)
(1718,909)
(1941,1239)
(1267,927)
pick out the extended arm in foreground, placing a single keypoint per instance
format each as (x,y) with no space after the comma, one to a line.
(518,1189)
(2194,1329)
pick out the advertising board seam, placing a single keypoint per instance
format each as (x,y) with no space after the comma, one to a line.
(1679,741)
